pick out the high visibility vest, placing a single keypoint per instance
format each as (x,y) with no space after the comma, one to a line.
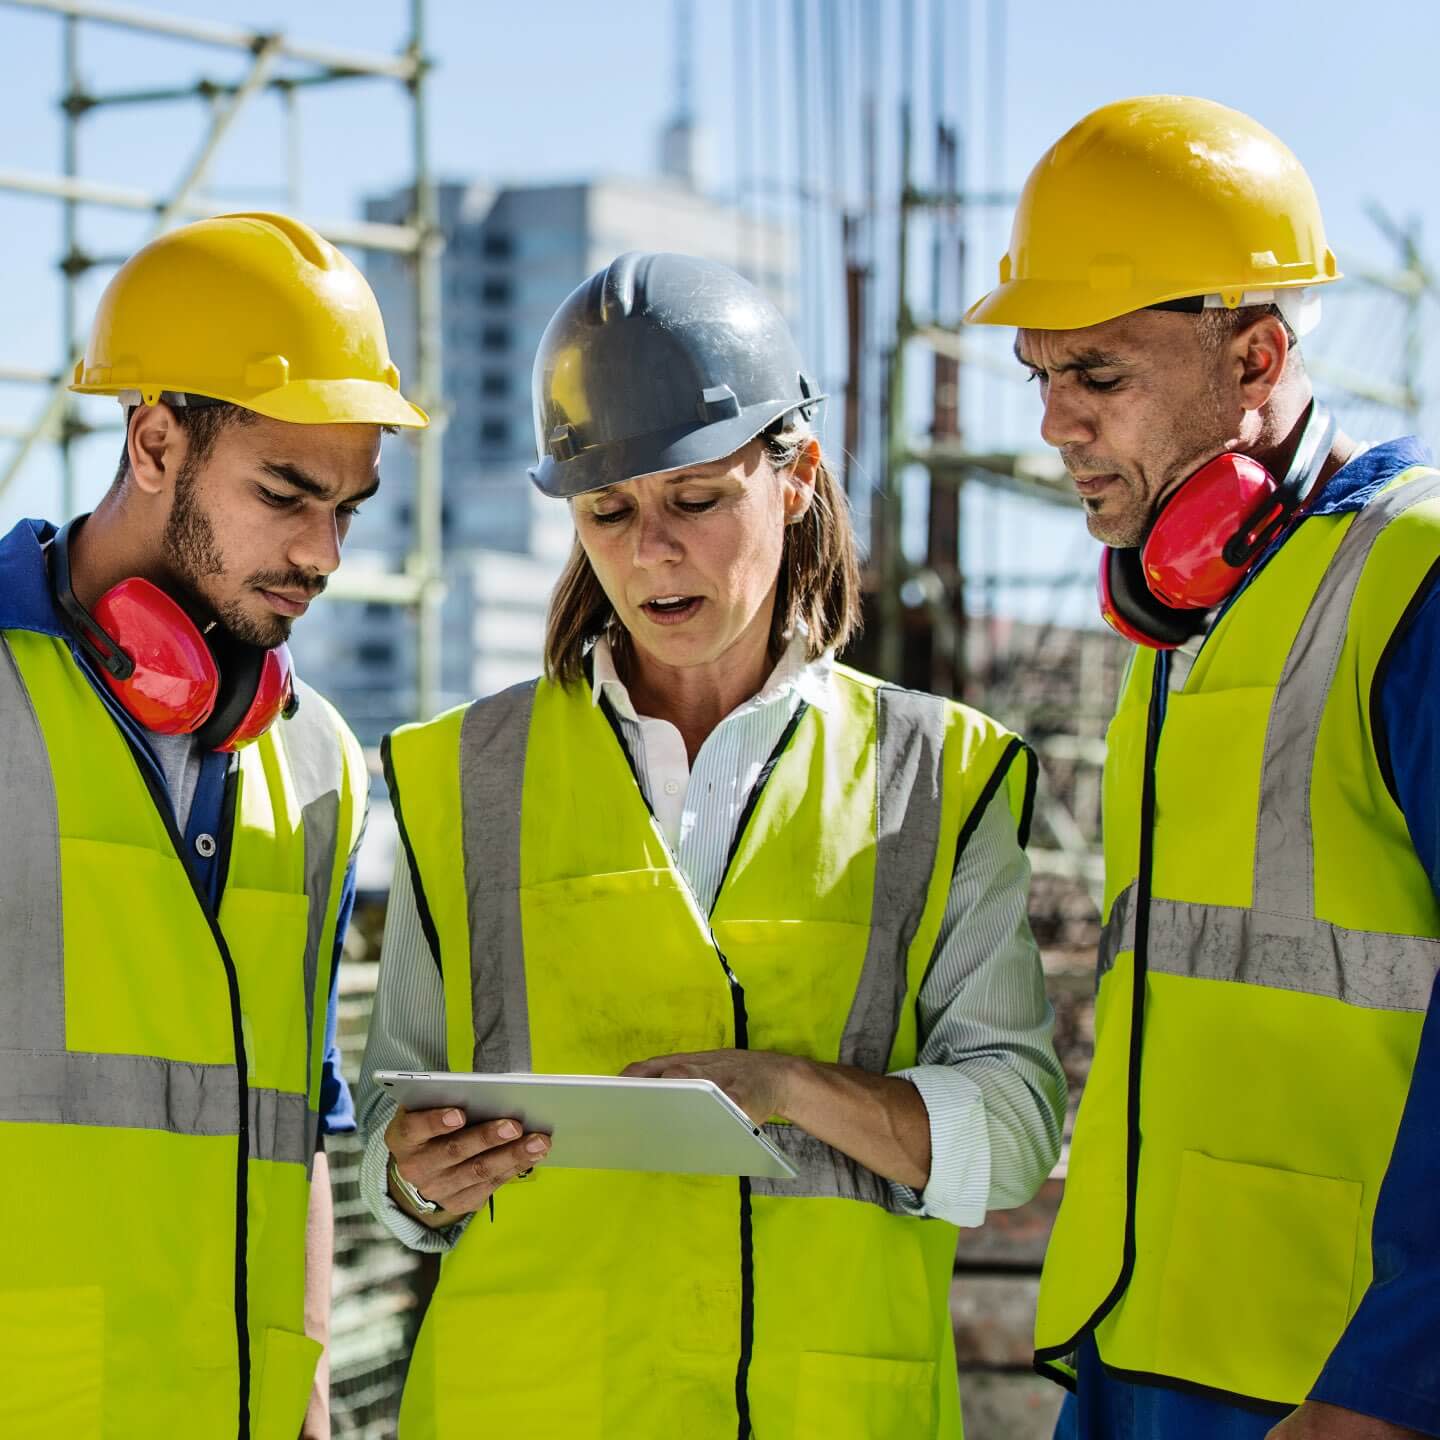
(1268,955)
(159,1070)
(600,1304)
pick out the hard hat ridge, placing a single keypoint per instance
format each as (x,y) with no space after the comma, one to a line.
(1154,199)
(657,362)
(253,309)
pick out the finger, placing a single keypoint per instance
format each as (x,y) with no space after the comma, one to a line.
(410,1129)
(486,1172)
(444,1152)
(656,1065)
(682,1072)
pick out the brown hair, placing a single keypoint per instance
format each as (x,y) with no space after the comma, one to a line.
(818,584)
(202,423)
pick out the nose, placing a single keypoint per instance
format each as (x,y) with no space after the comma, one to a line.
(1065,421)
(316,545)
(655,540)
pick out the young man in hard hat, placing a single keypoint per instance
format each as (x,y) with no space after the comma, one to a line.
(180,821)
(1247,1244)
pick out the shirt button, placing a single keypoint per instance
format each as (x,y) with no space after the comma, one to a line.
(672,787)
(205,846)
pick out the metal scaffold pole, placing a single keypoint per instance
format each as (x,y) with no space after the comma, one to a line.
(424,564)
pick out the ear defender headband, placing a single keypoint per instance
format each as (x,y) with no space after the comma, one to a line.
(1202,544)
(169,677)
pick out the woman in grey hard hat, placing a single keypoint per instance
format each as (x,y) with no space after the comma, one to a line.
(698,847)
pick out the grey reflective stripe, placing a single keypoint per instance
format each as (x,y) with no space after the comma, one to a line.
(317,767)
(282,1127)
(32,949)
(1284,844)
(909,751)
(1219,942)
(133,1092)
(493,738)
(1119,931)
(140,1092)
(824,1172)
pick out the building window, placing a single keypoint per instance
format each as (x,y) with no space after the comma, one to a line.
(375,653)
(495,432)
(497,246)
(495,292)
(495,337)
(495,382)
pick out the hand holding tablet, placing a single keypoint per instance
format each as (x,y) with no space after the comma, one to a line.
(606,1122)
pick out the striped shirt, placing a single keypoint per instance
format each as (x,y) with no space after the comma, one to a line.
(986,1068)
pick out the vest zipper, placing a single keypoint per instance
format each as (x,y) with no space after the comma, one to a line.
(1155,720)
(161,799)
(742,1042)
(742,1032)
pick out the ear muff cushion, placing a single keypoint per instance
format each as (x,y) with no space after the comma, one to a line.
(1131,596)
(240,666)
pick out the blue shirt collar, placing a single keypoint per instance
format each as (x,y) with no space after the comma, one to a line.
(1351,487)
(26,599)
(1355,484)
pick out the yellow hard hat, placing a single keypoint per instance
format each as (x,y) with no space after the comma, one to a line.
(1159,198)
(257,310)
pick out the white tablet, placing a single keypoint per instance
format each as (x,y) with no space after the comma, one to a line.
(607,1122)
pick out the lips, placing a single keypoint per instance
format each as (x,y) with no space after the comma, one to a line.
(1093,484)
(671,609)
(286,604)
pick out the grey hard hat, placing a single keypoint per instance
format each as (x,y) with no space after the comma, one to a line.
(658,362)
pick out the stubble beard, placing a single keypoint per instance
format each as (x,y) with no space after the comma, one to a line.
(194,557)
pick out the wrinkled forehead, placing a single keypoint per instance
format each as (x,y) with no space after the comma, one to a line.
(1125,340)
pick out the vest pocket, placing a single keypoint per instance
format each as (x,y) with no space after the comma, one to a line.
(488,1381)
(287,1373)
(1257,1282)
(54,1347)
(859,1397)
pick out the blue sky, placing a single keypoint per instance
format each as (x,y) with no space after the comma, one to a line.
(566,90)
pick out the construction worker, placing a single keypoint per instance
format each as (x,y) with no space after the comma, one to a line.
(1247,1243)
(176,869)
(699,847)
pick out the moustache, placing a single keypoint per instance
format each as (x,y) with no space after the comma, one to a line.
(312,585)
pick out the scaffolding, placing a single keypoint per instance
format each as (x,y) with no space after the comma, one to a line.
(378,1286)
(281,68)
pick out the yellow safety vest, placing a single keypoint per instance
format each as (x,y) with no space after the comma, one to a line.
(603,1304)
(159,1070)
(1268,955)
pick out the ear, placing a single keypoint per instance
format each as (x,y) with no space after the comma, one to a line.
(798,482)
(1260,350)
(156,447)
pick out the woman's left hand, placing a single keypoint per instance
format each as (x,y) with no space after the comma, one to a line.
(758,1081)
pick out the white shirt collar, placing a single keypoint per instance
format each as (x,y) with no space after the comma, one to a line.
(812,681)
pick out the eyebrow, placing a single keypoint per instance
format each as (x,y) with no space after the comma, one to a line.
(1085,360)
(673,480)
(302,480)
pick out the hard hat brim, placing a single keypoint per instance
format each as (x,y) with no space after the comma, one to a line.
(629,459)
(1062,305)
(303,402)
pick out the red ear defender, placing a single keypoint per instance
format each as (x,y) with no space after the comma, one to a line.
(168,676)
(259,687)
(173,679)
(1205,540)
(1184,556)
(274,696)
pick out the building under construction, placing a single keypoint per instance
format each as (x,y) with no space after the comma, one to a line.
(861,214)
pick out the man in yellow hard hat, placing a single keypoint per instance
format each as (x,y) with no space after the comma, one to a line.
(1247,1244)
(176,862)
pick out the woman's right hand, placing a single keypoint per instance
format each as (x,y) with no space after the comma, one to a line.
(459,1167)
